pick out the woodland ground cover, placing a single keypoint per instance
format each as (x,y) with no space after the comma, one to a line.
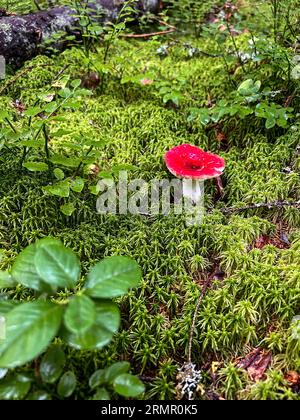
(227,81)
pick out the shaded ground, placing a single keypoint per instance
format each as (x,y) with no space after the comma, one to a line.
(253,257)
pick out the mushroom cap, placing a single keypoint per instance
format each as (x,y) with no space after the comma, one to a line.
(187,161)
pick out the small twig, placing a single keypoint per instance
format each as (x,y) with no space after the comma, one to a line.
(193,327)
(167,31)
(37,5)
(220,187)
(162,22)
(270,205)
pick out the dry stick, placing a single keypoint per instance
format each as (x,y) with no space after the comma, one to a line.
(270,205)
(193,327)
(167,31)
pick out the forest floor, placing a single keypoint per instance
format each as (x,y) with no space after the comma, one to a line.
(157,93)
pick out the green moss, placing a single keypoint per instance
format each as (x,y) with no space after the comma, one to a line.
(255,299)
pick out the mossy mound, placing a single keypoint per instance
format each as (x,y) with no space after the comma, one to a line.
(254,292)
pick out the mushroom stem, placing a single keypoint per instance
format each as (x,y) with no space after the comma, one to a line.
(193,190)
(220,187)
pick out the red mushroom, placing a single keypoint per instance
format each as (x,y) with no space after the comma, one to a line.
(191,162)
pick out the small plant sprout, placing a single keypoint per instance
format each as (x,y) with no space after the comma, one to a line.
(194,166)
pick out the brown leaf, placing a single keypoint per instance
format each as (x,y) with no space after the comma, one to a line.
(256,363)
(292,377)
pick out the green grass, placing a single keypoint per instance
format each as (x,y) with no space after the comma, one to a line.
(251,304)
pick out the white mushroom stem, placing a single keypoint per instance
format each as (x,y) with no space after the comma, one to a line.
(193,189)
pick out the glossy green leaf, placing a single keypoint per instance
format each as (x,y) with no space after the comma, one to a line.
(14,387)
(97,379)
(80,314)
(66,385)
(39,396)
(128,385)
(24,271)
(115,370)
(52,364)
(30,327)
(100,333)
(112,277)
(101,395)
(57,265)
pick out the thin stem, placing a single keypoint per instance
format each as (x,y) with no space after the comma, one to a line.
(193,327)
(46,141)
(236,48)
(11,125)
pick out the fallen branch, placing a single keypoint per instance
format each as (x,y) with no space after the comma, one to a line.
(167,31)
(23,37)
(171,30)
(269,206)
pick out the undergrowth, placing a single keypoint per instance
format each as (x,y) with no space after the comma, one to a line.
(255,291)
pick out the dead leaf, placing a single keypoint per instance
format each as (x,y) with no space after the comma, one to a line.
(256,363)
(292,377)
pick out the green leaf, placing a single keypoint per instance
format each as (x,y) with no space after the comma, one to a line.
(66,385)
(6,280)
(52,364)
(35,166)
(57,265)
(100,333)
(80,314)
(67,209)
(7,306)
(33,143)
(3,373)
(76,83)
(30,327)
(97,379)
(65,161)
(101,395)
(24,271)
(51,107)
(249,87)
(112,277)
(77,184)
(128,385)
(59,174)
(15,387)
(32,112)
(61,189)
(115,370)
(39,396)
(65,93)
(94,189)
(270,122)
